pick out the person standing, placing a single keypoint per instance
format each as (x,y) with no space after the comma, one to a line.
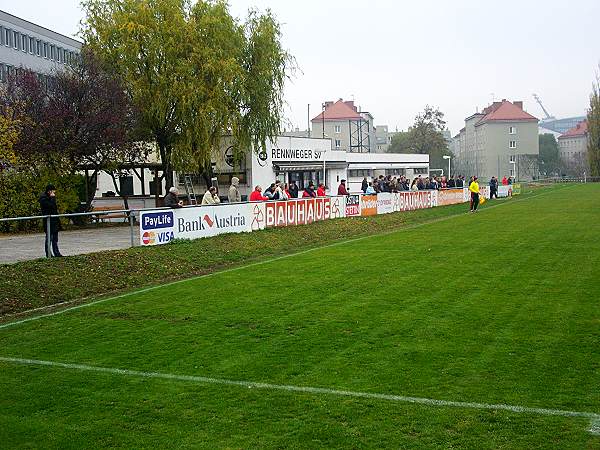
(234,195)
(293,189)
(474,189)
(364,185)
(504,181)
(342,188)
(321,190)
(493,188)
(309,192)
(49,208)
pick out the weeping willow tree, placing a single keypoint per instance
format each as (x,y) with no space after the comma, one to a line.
(195,73)
(593,119)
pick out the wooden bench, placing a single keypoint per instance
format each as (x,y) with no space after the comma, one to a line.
(103,217)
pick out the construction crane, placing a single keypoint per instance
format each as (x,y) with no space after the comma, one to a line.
(548,116)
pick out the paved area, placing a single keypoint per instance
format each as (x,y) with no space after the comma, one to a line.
(31,246)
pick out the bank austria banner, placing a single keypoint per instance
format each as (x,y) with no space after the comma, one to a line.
(161,227)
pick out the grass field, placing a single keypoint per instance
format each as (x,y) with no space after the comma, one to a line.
(495,308)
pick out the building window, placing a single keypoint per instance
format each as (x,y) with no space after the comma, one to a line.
(31,45)
(338,129)
(420,170)
(512,130)
(512,144)
(1,35)
(512,158)
(359,173)
(52,50)
(400,172)
(24,43)
(38,47)
(46,50)
(338,143)
(15,40)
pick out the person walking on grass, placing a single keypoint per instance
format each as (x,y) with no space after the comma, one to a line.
(474,190)
(49,208)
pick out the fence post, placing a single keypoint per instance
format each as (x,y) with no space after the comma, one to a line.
(48,238)
(131,220)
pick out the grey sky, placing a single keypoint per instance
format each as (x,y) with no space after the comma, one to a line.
(395,57)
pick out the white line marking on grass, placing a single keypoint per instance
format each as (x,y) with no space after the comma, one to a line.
(258,263)
(315,390)
(595,426)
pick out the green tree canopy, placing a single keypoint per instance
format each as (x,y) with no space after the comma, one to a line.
(549,160)
(593,118)
(424,137)
(195,73)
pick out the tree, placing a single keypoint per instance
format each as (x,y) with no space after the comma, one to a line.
(78,117)
(9,135)
(194,73)
(400,143)
(424,137)
(593,119)
(549,159)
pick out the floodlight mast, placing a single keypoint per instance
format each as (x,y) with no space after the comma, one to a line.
(548,116)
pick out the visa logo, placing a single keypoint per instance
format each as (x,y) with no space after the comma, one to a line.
(153,221)
(164,237)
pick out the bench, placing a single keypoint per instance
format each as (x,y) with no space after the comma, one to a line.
(103,217)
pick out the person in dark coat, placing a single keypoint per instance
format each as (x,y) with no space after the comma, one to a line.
(172,199)
(364,185)
(293,189)
(48,206)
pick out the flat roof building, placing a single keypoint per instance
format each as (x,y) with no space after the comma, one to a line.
(25,45)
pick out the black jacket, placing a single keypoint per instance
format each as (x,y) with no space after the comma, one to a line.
(293,190)
(172,201)
(48,207)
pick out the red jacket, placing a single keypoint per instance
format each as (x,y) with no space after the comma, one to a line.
(342,190)
(504,182)
(257,197)
(321,192)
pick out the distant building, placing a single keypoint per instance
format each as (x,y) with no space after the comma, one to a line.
(561,126)
(501,140)
(24,45)
(573,149)
(383,138)
(349,129)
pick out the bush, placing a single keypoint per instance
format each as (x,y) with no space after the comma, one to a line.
(21,189)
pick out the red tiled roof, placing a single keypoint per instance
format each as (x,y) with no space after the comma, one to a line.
(339,110)
(506,111)
(580,130)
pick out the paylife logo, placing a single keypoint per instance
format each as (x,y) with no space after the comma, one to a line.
(154,221)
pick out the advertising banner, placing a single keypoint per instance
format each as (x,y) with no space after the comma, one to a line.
(368,205)
(353,205)
(505,191)
(516,189)
(385,203)
(299,212)
(161,227)
(409,201)
(450,197)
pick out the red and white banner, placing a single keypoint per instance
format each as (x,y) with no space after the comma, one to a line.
(410,201)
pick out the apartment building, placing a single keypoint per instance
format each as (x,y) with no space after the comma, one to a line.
(349,129)
(502,140)
(573,149)
(26,45)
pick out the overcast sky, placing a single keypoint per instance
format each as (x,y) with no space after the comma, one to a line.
(394,57)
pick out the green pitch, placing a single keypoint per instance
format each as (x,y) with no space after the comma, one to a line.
(501,307)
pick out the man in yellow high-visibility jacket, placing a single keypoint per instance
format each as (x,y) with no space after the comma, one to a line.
(474,189)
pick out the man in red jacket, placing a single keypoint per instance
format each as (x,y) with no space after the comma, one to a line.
(321,190)
(342,188)
(257,196)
